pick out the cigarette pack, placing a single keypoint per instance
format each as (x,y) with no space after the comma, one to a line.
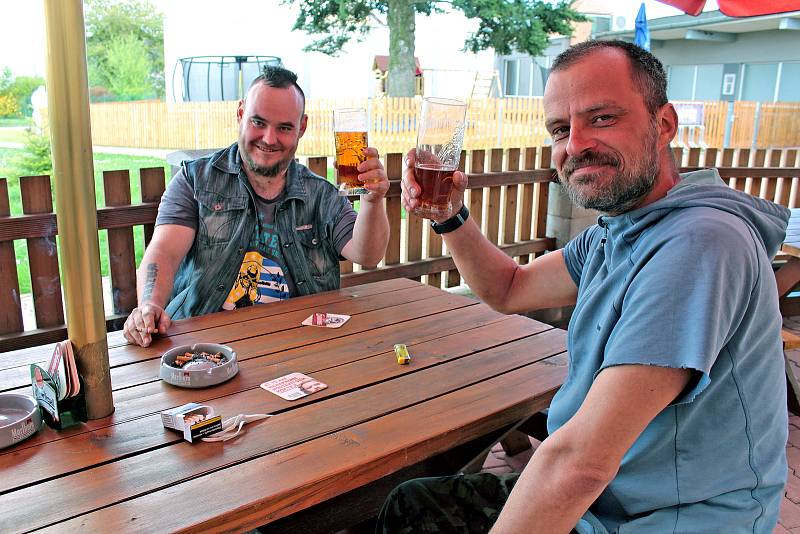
(193,419)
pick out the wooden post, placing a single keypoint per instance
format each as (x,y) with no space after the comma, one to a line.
(70,134)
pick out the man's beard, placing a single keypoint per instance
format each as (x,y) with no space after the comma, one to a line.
(626,189)
(267,171)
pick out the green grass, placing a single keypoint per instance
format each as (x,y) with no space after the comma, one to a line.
(12,135)
(102,162)
(6,121)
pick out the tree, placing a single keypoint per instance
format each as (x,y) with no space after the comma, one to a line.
(6,79)
(21,89)
(108,21)
(128,67)
(15,93)
(505,25)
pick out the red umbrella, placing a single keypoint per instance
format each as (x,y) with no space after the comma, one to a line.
(738,8)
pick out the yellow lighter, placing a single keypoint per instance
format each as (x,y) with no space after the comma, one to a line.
(401,351)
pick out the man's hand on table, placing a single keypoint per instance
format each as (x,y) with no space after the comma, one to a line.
(144,321)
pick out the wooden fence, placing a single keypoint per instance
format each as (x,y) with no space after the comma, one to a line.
(510,122)
(508,193)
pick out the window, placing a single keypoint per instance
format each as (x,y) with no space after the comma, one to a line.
(600,24)
(511,76)
(681,82)
(759,82)
(728,84)
(709,82)
(789,90)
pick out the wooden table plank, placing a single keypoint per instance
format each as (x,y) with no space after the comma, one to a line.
(163,467)
(416,430)
(150,399)
(271,325)
(474,372)
(154,396)
(71,453)
(183,326)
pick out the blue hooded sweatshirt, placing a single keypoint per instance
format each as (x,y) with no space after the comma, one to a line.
(686,282)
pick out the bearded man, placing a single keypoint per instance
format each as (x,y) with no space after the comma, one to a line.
(673,414)
(251,206)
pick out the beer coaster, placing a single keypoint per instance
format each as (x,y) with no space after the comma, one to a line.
(293,386)
(56,369)
(328,320)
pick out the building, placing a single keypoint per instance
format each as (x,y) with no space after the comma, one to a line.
(708,57)
(716,57)
(523,75)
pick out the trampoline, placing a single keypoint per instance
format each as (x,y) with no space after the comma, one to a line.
(218,78)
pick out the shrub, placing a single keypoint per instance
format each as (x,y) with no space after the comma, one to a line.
(8,106)
(36,158)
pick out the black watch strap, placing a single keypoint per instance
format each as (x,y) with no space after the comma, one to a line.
(452,223)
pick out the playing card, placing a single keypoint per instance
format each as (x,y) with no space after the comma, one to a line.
(293,386)
(328,320)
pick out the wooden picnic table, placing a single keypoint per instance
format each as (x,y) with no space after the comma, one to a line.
(322,462)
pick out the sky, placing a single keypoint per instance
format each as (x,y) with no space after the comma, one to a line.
(22,42)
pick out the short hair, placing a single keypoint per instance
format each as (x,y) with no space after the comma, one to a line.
(647,71)
(279,78)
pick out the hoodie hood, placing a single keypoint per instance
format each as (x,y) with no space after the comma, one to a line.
(705,188)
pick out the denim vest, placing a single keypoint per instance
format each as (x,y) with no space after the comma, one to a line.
(304,221)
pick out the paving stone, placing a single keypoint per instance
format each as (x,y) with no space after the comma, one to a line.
(793,488)
(790,514)
(502,470)
(493,461)
(794,436)
(793,456)
(518,462)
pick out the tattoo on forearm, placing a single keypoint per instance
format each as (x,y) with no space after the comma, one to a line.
(149,282)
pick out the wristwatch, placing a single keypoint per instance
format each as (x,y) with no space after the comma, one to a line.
(452,223)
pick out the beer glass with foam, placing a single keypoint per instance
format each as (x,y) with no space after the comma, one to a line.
(350,128)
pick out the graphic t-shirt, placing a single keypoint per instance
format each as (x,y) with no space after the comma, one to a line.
(263,276)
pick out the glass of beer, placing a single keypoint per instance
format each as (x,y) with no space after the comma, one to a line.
(439,139)
(350,128)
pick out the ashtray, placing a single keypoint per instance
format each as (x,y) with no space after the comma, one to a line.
(199,365)
(19,418)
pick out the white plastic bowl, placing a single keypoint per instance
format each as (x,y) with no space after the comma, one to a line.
(200,377)
(19,418)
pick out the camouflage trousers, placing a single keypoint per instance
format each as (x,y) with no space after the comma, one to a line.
(461,503)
